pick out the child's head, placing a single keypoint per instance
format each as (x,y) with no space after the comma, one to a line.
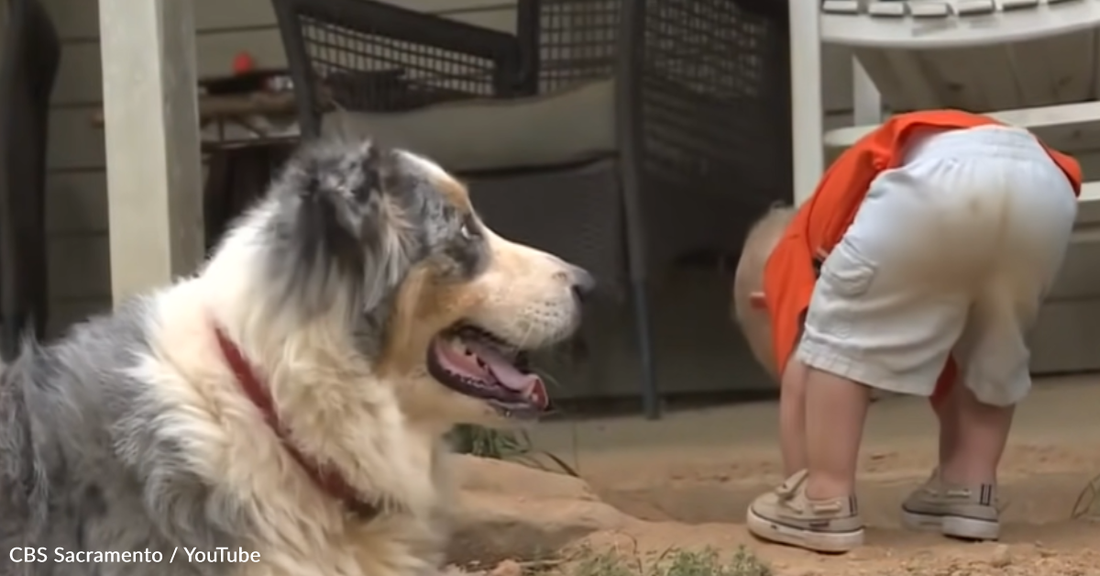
(749,309)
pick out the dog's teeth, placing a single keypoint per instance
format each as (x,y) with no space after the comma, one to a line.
(460,347)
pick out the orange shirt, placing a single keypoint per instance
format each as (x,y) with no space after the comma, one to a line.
(790,272)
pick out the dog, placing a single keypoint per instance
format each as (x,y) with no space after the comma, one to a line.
(282,411)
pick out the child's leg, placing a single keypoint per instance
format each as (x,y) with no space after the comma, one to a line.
(994,376)
(993,350)
(947,415)
(792,418)
(836,408)
(977,445)
(1037,212)
(979,431)
(925,507)
(994,359)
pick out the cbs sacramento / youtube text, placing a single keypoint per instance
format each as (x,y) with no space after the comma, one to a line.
(60,555)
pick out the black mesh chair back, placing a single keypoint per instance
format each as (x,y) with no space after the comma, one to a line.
(359,55)
(694,95)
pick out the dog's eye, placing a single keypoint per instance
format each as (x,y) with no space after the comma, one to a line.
(467,232)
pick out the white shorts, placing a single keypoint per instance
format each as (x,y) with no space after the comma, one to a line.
(950,254)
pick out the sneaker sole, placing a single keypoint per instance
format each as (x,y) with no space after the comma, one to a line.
(971,528)
(921,522)
(831,542)
(954,526)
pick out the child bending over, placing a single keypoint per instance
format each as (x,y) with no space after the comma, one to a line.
(922,258)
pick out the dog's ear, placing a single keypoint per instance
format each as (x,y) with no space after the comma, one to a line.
(345,226)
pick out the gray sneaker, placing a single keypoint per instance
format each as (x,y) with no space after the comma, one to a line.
(786,515)
(962,512)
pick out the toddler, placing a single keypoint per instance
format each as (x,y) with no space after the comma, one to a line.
(917,267)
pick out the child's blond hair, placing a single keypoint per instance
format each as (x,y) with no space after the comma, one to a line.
(749,278)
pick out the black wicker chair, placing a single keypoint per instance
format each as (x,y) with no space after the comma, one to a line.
(618,134)
(28,67)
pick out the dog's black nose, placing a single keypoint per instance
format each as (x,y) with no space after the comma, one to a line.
(583,282)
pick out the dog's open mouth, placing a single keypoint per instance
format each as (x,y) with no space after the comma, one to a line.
(473,362)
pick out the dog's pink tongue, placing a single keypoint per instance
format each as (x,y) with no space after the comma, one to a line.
(456,361)
(508,375)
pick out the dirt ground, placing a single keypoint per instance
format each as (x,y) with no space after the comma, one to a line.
(690,476)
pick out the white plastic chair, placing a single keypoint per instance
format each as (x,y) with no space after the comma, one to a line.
(807,97)
(1030,63)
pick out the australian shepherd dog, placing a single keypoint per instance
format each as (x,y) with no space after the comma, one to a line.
(282,412)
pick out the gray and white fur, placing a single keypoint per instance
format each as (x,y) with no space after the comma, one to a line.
(131,434)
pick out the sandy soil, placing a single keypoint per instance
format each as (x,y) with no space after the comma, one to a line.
(690,477)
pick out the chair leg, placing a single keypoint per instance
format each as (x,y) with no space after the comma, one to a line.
(8,345)
(10,334)
(651,402)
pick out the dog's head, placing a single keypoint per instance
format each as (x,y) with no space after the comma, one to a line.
(388,243)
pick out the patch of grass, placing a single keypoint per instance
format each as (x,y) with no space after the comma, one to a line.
(674,562)
(1088,502)
(515,446)
(509,445)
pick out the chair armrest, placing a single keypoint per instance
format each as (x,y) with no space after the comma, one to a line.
(391,21)
(348,27)
(1081,116)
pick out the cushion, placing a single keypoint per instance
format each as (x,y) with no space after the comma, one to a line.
(486,134)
